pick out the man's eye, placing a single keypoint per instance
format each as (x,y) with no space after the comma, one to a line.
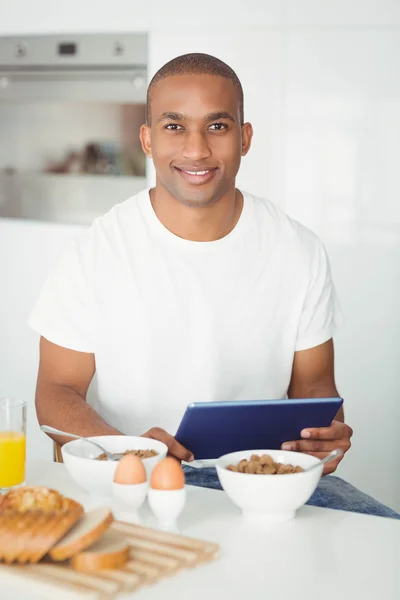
(218,126)
(173,127)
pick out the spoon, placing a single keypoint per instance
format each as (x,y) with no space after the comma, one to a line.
(109,455)
(331,456)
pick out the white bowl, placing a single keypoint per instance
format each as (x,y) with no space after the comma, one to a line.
(269,498)
(96,476)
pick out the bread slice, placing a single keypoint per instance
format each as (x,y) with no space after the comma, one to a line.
(6,521)
(30,539)
(28,498)
(9,522)
(89,528)
(43,538)
(111,551)
(62,524)
(13,546)
(32,520)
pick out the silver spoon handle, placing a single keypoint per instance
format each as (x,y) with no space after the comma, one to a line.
(49,429)
(331,456)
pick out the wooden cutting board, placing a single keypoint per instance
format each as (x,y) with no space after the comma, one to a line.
(154,554)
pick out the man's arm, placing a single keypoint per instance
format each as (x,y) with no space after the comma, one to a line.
(313,377)
(63,381)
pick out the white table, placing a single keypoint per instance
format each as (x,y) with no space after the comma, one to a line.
(323,553)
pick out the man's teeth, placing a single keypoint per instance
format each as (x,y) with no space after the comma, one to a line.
(196,172)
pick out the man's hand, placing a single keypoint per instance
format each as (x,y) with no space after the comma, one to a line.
(319,442)
(174,448)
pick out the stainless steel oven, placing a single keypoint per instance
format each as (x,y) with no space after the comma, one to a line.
(70,111)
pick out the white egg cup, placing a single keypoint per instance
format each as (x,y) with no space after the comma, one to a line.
(167,505)
(130,498)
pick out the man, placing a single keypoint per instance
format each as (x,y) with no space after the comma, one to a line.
(191,291)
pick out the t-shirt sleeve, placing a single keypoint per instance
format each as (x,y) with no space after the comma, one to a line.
(321,313)
(63,311)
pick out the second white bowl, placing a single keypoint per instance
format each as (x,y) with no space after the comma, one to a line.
(269,498)
(96,476)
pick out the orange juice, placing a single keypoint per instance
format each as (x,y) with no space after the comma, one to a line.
(12,458)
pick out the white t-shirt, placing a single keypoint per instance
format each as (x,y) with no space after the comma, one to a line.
(173,321)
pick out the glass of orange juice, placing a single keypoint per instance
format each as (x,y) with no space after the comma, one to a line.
(12,443)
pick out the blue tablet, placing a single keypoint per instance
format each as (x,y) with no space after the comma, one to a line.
(211,429)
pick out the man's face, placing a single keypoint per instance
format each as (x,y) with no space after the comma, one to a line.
(196,139)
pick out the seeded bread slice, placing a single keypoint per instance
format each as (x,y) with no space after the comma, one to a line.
(13,545)
(62,523)
(30,539)
(8,523)
(28,498)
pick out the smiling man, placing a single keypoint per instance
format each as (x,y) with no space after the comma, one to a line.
(191,291)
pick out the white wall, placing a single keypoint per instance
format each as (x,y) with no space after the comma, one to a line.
(27,250)
(322,90)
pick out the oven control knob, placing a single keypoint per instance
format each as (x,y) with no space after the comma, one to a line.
(118,49)
(20,50)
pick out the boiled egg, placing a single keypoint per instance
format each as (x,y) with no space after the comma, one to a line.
(130,470)
(167,475)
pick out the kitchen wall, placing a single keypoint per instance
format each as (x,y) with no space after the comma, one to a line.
(322,91)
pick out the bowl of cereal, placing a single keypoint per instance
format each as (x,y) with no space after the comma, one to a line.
(92,472)
(268,485)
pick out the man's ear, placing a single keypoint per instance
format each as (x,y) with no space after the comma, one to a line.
(145,139)
(247,135)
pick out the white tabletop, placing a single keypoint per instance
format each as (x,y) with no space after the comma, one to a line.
(322,553)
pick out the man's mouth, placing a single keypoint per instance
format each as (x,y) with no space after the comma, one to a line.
(196,172)
(196,176)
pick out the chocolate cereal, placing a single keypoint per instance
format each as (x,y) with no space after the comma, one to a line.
(263,465)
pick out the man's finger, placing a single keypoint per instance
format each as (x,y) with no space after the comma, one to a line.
(336,431)
(174,448)
(310,446)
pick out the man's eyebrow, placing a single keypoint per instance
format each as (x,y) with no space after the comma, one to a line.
(221,114)
(214,116)
(171,116)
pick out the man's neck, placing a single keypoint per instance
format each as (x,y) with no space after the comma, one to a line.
(205,224)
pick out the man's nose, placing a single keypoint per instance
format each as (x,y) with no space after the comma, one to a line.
(196,146)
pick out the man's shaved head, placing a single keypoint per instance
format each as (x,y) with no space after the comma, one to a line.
(195,64)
